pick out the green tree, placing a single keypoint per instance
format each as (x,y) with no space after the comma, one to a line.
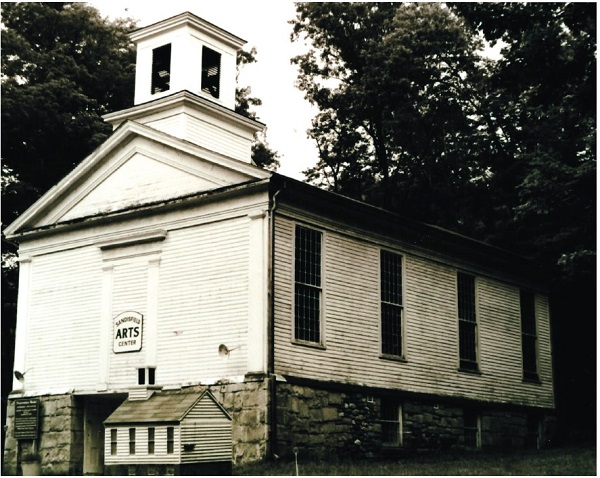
(542,96)
(399,124)
(63,66)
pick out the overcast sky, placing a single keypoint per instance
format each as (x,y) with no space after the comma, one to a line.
(264,25)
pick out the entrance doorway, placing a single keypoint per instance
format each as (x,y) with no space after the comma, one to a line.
(95,411)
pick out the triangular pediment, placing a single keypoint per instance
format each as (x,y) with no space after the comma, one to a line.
(136,166)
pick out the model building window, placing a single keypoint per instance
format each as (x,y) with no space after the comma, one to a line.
(467,321)
(307,295)
(170,440)
(529,336)
(472,429)
(211,71)
(151,440)
(391,423)
(161,69)
(132,441)
(391,303)
(113,441)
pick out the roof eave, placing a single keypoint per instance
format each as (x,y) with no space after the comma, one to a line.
(196,22)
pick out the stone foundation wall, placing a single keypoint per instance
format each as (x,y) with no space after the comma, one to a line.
(432,426)
(321,423)
(60,443)
(247,403)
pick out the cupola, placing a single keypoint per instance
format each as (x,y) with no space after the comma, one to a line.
(186,52)
(185,85)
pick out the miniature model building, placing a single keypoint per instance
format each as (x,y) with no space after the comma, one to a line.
(167,273)
(167,429)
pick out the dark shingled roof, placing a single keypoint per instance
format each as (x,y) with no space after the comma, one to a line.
(162,406)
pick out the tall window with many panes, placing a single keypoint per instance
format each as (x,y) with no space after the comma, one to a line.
(391,303)
(528,336)
(307,291)
(467,321)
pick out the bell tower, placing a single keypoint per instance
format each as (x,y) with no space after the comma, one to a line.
(185,85)
(186,52)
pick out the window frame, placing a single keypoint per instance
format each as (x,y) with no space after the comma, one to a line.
(398,423)
(529,336)
(132,440)
(113,441)
(467,364)
(387,303)
(534,431)
(170,440)
(469,429)
(151,440)
(320,343)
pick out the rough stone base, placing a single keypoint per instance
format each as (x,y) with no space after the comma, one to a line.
(319,423)
(60,444)
(247,403)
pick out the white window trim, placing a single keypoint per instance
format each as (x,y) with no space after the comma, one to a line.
(402,356)
(322,342)
(400,422)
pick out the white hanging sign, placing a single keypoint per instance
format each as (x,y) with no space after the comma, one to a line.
(127,332)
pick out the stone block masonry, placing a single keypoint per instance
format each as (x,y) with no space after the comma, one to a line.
(327,422)
(60,444)
(321,423)
(247,403)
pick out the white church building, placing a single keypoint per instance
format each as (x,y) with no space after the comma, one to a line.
(167,268)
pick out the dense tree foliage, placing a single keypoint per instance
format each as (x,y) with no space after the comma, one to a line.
(63,66)
(414,118)
(398,125)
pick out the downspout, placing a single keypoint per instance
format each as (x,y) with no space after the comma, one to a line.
(272,411)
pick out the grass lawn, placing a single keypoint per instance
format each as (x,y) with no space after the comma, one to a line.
(551,462)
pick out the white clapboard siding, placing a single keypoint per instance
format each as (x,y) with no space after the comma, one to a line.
(205,133)
(63,320)
(141,455)
(203,302)
(500,318)
(130,289)
(211,441)
(351,333)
